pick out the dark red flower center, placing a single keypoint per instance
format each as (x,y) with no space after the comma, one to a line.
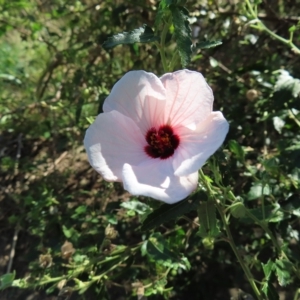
(162,142)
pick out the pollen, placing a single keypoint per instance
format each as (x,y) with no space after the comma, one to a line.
(162,142)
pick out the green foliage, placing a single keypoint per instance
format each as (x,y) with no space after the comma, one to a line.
(182,33)
(157,249)
(287,86)
(238,210)
(6,280)
(206,45)
(237,150)
(208,221)
(80,237)
(140,35)
(258,190)
(268,287)
(168,212)
(283,271)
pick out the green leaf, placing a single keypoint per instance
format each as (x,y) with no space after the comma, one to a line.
(140,35)
(257,190)
(270,291)
(278,123)
(268,268)
(293,147)
(206,45)
(182,33)
(238,210)
(268,287)
(10,79)
(167,212)
(162,12)
(237,150)
(272,214)
(157,248)
(70,233)
(159,251)
(213,62)
(271,165)
(287,84)
(137,206)
(208,220)
(6,280)
(292,205)
(283,271)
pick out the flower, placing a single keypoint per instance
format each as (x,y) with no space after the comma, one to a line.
(156,133)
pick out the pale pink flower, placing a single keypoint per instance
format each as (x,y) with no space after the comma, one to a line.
(156,133)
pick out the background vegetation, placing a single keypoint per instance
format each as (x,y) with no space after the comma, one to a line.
(67,234)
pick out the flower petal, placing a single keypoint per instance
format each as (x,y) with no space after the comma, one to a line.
(189,98)
(196,146)
(156,179)
(140,96)
(111,141)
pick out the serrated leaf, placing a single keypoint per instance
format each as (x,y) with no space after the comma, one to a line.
(137,206)
(268,268)
(236,149)
(143,34)
(158,249)
(283,271)
(208,220)
(182,33)
(161,12)
(257,190)
(268,287)
(287,83)
(270,291)
(206,45)
(291,205)
(167,212)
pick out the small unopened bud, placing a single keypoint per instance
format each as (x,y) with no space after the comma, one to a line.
(45,260)
(252,94)
(208,243)
(61,284)
(110,232)
(67,250)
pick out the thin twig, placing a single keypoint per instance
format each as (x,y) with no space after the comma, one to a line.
(13,249)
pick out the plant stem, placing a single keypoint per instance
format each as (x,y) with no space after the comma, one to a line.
(230,239)
(263,27)
(265,227)
(239,258)
(161,47)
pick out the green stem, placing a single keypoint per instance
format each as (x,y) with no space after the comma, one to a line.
(162,45)
(239,258)
(265,227)
(230,238)
(263,27)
